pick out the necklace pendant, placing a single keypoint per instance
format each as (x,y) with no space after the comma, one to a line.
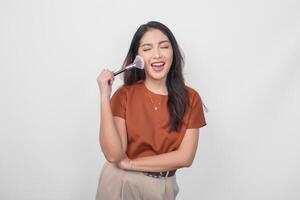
(155,108)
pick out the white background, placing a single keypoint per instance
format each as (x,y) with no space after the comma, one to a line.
(242,57)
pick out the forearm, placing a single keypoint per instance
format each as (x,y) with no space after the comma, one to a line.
(163,162)
(109,137)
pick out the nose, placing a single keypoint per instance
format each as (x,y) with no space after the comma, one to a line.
(157,53)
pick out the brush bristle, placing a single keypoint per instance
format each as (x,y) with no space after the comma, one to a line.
(139,62)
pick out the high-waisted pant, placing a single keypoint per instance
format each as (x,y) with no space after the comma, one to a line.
(118,184)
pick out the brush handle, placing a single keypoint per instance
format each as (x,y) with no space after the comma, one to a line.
(119,72)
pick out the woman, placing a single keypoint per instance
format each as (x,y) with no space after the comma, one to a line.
(150,126)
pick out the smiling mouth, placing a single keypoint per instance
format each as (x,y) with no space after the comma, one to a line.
(158,66)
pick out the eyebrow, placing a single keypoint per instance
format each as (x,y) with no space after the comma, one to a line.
(149,44)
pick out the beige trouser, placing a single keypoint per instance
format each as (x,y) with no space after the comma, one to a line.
(117,184)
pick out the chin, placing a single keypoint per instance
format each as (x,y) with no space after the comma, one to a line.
(156,76)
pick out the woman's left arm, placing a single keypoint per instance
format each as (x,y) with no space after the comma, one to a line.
(183,157)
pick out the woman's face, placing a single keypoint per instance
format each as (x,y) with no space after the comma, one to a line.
(157,52)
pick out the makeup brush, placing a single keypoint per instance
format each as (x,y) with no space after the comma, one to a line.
(137,63)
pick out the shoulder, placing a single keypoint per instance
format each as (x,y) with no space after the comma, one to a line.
(192,93)
(190,90)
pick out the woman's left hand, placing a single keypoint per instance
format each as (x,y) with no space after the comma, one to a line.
(124,163)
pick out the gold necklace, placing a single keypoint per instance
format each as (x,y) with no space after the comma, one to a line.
(155,107)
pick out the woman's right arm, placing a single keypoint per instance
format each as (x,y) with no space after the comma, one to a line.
(111,139)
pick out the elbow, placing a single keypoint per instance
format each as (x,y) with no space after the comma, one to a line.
(113,159)
(187,163)
(116,157)
(187,158)
(112,156)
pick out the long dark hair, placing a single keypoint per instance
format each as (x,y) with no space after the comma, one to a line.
(178,100)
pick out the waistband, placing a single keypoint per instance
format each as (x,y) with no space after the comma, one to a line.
(160,174)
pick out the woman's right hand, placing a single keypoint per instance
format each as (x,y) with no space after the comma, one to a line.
(105,80)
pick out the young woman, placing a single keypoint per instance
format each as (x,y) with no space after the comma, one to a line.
(150,126)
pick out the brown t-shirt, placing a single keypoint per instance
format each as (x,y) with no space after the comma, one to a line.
(147,127)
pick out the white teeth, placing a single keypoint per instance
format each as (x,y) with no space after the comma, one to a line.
(158,64)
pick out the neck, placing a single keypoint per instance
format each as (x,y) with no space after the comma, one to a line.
(157,86)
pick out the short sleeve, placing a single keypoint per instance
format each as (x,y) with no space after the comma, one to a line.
(196,117)
(118,103)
